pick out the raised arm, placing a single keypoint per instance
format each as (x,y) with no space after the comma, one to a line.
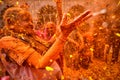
(22,52)
(56,48)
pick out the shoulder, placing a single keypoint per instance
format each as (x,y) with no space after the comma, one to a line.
(8,38)
(10,42)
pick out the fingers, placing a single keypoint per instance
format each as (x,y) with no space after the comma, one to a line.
(66,27)
(84,16)
(64,19)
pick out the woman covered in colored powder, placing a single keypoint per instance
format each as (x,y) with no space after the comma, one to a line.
(23,55)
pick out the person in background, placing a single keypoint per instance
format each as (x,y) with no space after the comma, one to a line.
(48,34)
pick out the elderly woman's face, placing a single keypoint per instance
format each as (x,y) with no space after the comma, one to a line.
(25,23)
(18,20)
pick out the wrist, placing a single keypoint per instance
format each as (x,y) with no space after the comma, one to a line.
(62,38)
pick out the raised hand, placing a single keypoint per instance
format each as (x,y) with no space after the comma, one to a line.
(66,27)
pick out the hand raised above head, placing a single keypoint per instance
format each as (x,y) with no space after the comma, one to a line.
(66,27)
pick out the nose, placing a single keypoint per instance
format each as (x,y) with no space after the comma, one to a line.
(31,25)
